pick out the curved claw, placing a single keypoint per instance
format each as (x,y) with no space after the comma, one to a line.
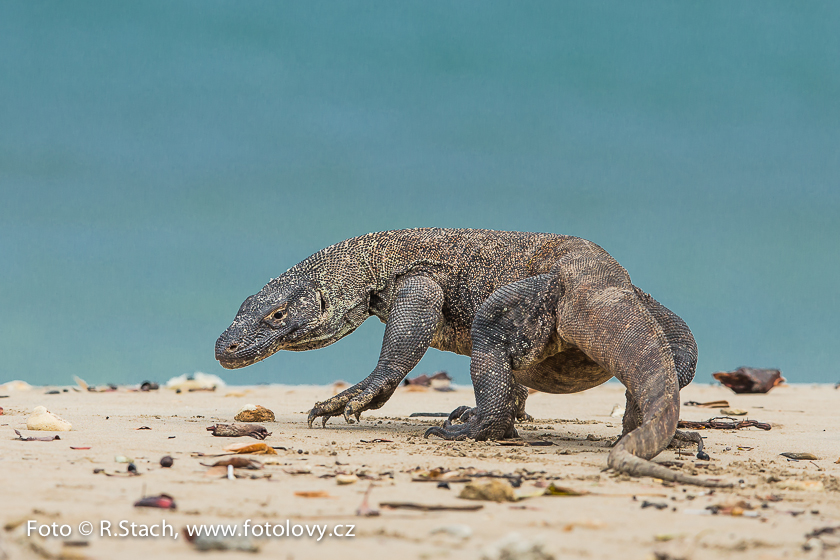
(448,434)
(460,414)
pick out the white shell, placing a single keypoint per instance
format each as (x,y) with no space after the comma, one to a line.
(43,419)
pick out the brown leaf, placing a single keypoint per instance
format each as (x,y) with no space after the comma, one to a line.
(259,448)
(313,494)
(750,380)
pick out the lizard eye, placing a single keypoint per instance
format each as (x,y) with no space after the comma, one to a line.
(275,316)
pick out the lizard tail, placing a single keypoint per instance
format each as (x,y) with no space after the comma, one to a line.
(630,455)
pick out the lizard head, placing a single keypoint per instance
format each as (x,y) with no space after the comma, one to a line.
(289,313)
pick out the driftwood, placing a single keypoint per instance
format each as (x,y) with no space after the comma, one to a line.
(718,424)
(239,430)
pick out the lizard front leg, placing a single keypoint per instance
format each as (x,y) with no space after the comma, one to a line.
(413,318)
(509,331)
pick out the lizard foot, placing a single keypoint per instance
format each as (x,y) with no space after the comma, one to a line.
(472,424)
(351,402)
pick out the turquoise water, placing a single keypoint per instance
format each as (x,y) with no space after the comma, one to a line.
(160,161)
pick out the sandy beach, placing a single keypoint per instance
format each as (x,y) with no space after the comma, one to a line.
(774,504)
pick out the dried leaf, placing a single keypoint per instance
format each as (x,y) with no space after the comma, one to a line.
(425,507)
(733,412)
(800,456)
(750,380)
(45,438)
(710,404)
(254,413)
(313,494)
(259,448)
(554,490)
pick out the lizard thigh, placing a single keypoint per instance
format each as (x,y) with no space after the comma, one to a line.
(568,371)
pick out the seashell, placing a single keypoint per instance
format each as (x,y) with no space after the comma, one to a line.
(43,419)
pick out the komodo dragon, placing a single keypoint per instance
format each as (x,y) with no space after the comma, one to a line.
(551,312)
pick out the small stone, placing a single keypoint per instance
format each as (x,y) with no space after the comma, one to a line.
(494,491)
(167,462)
(254,413)
(342,479)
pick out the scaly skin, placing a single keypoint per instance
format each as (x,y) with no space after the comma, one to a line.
(550,312)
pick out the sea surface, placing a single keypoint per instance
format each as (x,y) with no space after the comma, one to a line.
(161,161)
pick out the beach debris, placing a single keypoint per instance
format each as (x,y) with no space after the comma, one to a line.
(143,428)
(79,448)
(302,470)
(801,485)
(516,547)
(710,404)
(239,430)
(733,412)
(16,385)
(206,543)
(166,462)
(313,494)
(429,415)
(523,443)
(429,507)
(617,411)
(195,381)
(132,468)
(123,459)
(657,505)
(735,507)
(800,456)
(344,479)
(750,380)
(494,490)
(364,509)
(45,438)
(555,490)
(81,383)
(163,501)
(822,538)
(149,386)
(1,411)
(440,381)
(439,474)
(458,530)
(376,440)
(717,424)
(254,413)
(258,448)
(237,462)
(44,420)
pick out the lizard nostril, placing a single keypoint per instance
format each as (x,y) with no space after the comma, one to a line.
(232,347)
